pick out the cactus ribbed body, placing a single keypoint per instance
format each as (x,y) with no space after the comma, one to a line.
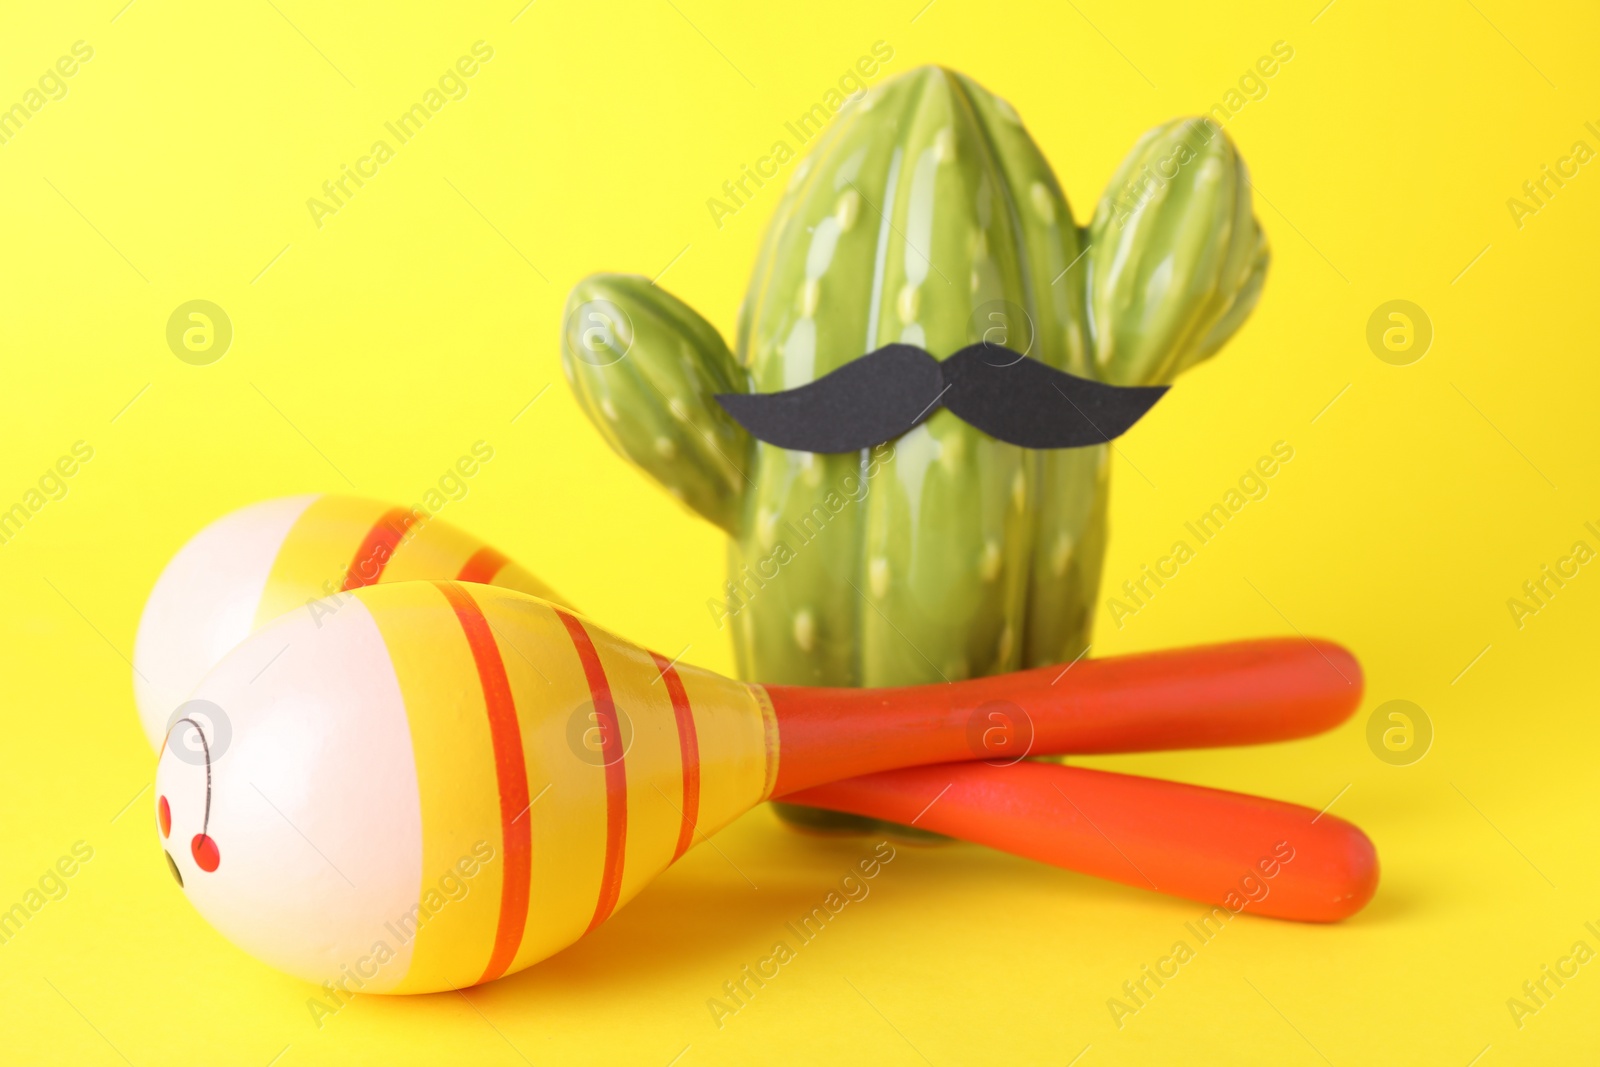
(926,216)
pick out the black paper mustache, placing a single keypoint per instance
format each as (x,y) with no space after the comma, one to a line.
(883,394)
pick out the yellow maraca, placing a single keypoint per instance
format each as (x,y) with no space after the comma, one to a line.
(409,793)
(297,555)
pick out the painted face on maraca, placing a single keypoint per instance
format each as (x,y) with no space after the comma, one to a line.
(442,783)
(202,846)
(306,820)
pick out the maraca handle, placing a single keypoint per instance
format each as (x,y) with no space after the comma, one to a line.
(1243,693)
(1241,852)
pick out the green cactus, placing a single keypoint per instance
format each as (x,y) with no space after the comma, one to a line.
(925,215)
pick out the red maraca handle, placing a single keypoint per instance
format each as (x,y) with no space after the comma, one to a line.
(1247,692)
(1229,849)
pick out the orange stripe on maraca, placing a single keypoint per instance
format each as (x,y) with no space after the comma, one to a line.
(316,553)
(430,550)
(483,566)
(461,808)
(343,543)
(567,786)
(511,773)
(375,550)
(433,549)
(616,773)
(689,749)
(652,745)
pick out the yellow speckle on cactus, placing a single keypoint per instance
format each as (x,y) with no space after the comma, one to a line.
(1002,654)
(908,303)
(805,630)
(1061,554)
(767,527)
(810,294)
(944,145)
(974,281)
(847,210)
(989,562)
(980,243)
(952,448)
(1007,112)
(675,493)
(1019,490)
(680,411)
(1043,204)
(810,469)
(878,576)
(665,448)
(608,409)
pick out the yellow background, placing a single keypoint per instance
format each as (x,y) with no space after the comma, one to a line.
(424,316)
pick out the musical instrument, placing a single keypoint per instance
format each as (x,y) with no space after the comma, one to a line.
(303,553)
(441,782)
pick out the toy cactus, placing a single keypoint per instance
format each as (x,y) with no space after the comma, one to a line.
(925,216)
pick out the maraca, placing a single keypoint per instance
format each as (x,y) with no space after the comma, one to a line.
(297,554)
(429,729)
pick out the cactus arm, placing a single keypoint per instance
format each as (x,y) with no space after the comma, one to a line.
(1176,259)
(1174,264)
(647,380)
(1244,302)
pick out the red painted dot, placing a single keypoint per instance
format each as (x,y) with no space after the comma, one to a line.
(205,852)
(164,813)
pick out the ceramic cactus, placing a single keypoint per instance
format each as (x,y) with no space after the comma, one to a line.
(925,215)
